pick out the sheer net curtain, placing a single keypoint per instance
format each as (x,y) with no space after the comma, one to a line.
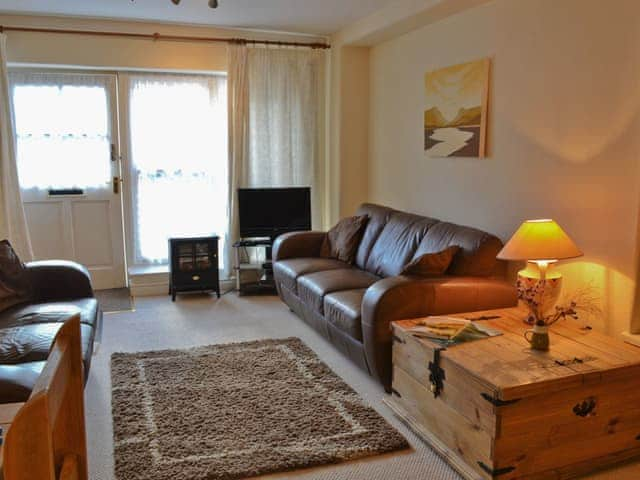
(238,117)
(178,161)
(67,144)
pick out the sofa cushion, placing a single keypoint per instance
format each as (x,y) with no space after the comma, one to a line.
(397,243)
(378,217)
(478,249)
(343,311)
(27,331)
(32,342)
(54,312)
(312,288)
(14,277)
(288,271)
(342,241)
(431,264)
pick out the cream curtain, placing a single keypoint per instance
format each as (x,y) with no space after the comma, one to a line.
(238,113)
(13,223)
(275,121)
(283,116)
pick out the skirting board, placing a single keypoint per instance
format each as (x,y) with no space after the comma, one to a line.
(149,290)
(440,448)
(149,287)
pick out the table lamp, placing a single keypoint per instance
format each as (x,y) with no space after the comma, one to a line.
(541,243)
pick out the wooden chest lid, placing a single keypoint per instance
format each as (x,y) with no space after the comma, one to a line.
(508,366)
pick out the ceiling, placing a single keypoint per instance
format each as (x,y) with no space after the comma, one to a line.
(319,17)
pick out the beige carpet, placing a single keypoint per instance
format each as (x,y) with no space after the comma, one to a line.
(238,410)
(159,324)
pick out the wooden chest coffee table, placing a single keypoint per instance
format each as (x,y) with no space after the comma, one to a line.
(495,409)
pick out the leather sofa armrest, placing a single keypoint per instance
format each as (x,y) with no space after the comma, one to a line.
(402,297)
(59,280)
(297,245)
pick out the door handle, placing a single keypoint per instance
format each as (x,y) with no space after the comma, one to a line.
(116,185)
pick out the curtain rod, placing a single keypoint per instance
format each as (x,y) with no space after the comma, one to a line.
(158,36)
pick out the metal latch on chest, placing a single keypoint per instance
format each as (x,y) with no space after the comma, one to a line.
(436,373)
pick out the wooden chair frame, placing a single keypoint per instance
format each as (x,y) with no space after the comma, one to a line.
(47,438)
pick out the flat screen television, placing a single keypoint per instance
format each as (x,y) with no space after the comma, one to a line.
(269,212)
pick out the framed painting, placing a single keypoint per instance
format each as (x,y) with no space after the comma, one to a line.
(455,116)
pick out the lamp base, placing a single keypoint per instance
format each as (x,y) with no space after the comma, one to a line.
(539,292)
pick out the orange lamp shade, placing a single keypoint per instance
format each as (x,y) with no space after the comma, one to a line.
(539,240)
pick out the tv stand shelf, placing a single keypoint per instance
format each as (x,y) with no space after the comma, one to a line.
(263,282)
(259,242)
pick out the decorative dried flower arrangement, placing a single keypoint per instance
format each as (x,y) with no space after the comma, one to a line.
(538,296)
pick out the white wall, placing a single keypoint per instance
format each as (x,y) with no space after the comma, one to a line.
(349,130)
(564,131)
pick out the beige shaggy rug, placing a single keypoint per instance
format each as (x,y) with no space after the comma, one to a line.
(235,411)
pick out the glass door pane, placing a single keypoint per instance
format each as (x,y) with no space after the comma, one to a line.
(178,141)
(63,130)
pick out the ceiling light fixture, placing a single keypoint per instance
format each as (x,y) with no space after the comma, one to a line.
(212,3)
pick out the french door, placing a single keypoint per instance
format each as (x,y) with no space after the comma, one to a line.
(176,161)
(69,169)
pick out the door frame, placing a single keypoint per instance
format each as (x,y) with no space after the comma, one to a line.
(121,138)
(128,217)
(100,279)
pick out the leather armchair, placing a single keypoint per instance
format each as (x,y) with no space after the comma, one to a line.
(59,290)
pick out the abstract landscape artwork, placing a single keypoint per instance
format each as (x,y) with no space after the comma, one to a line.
(455,116)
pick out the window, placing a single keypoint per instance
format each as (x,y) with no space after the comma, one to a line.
(178,137)
(63,130)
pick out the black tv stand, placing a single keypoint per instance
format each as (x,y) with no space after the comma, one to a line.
(256,242)
(264,283)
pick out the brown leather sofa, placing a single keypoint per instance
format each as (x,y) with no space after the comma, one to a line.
(353,305)
(59,289)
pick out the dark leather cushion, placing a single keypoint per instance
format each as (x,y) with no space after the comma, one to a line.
(397,243)
(54,312)
(341,242)
(17,381)
(431,264)
(32,342)
(14,278)
(287,272)
(378,217)
(478,249)
(312,288)
(343,311)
